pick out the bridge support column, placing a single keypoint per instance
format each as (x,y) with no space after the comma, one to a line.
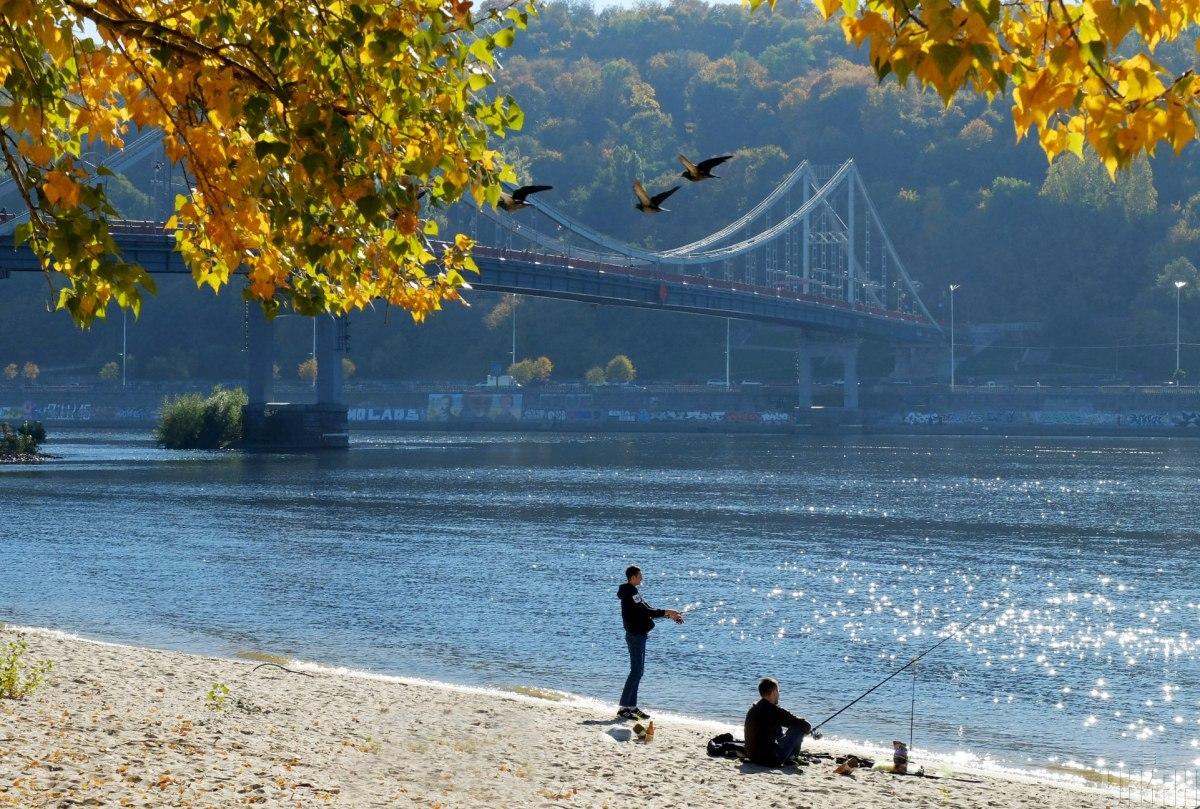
(330,382)
(850,376)
(804,378)
(260,356)
(902,371)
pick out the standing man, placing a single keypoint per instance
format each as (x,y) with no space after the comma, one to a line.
(638,617)
(766,742)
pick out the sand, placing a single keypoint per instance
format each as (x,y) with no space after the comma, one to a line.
(125,726)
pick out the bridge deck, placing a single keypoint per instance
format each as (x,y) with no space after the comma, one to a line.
(555,276)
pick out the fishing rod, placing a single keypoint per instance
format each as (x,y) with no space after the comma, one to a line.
(894,673)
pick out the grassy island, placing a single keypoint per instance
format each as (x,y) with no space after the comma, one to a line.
(193,421)
(19,444)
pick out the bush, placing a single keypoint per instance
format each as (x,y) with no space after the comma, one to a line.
(193,421)
(23,440)
(595,376)
(530,370)
(620,369)
(18,677)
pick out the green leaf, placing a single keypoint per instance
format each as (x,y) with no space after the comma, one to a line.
(369,206)
(504,38)
(278,149)
(947,57)
(481,50)
(314,162)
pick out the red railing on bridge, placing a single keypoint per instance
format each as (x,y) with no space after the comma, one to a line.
(552,259)
(713,283)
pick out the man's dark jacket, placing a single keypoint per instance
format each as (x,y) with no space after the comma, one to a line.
(636,614)
(765,722)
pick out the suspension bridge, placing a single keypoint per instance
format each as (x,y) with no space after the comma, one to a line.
(813,254)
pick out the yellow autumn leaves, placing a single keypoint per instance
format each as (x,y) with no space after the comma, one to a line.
(318,140)
(1058,60)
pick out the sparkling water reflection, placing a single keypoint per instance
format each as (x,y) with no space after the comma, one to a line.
(494,560)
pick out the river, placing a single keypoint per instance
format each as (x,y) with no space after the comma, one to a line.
(494,560)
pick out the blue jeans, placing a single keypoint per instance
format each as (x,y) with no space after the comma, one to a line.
(788,744)
(637,665)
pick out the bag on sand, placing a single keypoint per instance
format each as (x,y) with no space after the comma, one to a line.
(725,746)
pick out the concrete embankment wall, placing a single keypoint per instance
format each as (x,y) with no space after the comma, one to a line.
(413,407)
(1035,411)
(886,409)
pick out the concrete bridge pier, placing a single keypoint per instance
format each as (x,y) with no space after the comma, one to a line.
(330,380)
(843,351)
(260,357)
(294,426)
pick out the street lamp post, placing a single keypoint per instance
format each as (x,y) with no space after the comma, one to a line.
(953,288)
(124,319)
(1179,285)
(727,353)
(514,329)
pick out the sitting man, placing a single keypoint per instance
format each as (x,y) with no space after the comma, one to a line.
(766,742)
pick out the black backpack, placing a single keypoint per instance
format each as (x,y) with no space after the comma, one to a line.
(725,746)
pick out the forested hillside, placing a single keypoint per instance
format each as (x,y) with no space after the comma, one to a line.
(615,95)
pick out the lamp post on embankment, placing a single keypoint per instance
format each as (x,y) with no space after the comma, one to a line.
(1179,285)
(953,289)
(727,353)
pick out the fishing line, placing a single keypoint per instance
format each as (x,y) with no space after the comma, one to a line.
(896,672)
(912,707)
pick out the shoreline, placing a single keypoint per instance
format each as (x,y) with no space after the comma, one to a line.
(421,742)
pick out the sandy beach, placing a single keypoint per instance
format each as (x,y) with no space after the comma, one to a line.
(124,726)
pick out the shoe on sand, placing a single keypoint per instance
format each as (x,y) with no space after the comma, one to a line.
(627,713)
(641,715)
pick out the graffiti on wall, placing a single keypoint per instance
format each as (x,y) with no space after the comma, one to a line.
(1061,418)
(373,414)
(474,406)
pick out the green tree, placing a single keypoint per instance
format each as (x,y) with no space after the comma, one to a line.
(348,367)
(594,376)
(1180,269)
(542,368)
(31,372)
(1085,183)
(620,369)
(110,372)
(11,371)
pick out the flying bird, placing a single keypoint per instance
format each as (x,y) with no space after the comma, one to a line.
(516,200)
(702,170)
(647,203)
